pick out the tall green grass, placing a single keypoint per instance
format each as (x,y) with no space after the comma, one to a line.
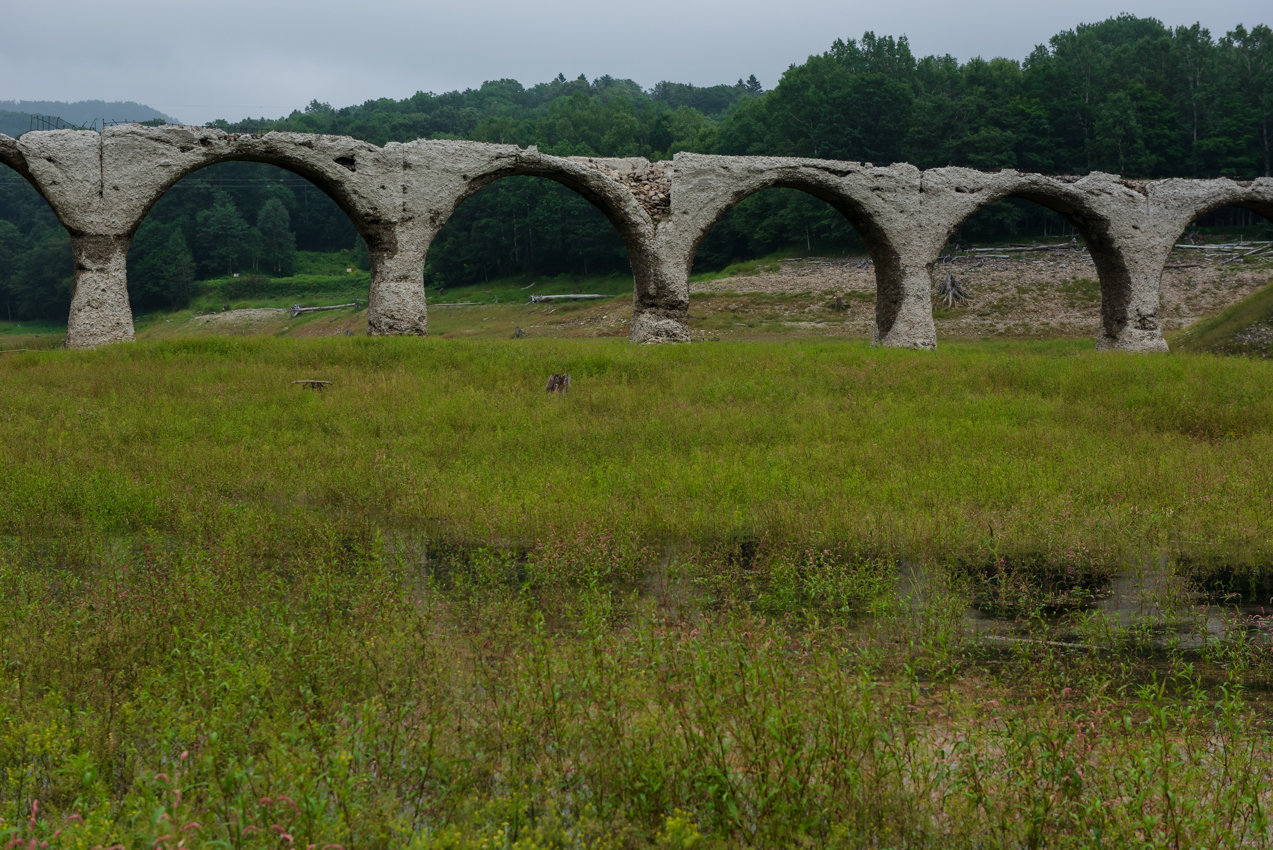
(323,690)
(1042,448)
(716,596)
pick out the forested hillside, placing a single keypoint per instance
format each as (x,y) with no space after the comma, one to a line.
(1127,95)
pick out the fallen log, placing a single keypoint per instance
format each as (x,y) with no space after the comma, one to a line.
(1023,249)
(298,309)
(1253,251)
(538,298)
(1222,246)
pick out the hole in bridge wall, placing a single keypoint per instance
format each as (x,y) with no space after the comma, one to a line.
(37,269)
(347,162)
(526,230)
(283,237)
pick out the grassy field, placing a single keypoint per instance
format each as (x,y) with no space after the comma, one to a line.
(719,595)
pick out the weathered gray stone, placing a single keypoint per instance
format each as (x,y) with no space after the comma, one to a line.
(399,196)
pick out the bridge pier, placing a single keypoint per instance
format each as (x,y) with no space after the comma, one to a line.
(396,304)
(100,313)
(659,324)
(1129,313)
(1130,268)
(399,196)
(904,306)
(661,296)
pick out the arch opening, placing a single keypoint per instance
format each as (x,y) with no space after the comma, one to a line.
(518,229)
(37,267)
(1218,261)
(542,228)
(805,259)
(1024,264)
(244,233)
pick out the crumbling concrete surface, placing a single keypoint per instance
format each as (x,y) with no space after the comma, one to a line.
(399,196)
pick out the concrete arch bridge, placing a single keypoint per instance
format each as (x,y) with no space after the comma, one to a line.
(398,197)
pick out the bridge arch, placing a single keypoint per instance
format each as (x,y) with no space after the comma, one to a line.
(605,183)
(709,186)
(1250,196)
(138,200)
(1108,212)
(363,180)
(40,232)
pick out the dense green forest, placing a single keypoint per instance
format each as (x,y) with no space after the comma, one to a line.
(1127,95)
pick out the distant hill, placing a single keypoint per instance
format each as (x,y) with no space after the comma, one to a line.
(15,115)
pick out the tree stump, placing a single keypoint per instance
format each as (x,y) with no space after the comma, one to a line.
(558,383)
(950,291)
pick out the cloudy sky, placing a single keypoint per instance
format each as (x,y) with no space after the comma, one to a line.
(235,58)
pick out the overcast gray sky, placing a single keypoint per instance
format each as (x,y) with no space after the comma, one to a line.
(235,58)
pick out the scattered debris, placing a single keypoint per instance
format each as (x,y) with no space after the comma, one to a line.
(1258,250)
(558,383)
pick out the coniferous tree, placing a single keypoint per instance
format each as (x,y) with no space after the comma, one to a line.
(11,250)
(222,233)
(278,243)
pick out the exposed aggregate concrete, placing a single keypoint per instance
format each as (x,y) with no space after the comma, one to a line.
(399,196)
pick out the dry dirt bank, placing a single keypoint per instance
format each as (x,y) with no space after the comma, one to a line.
(1055,294)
